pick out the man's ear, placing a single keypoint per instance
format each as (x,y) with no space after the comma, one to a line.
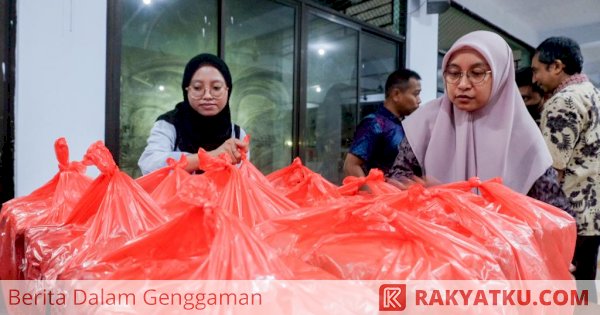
(396,92)
(558,66)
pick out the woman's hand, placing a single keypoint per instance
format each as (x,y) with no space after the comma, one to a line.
(232,147)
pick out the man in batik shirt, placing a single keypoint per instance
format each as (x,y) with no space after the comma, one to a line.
(570,124)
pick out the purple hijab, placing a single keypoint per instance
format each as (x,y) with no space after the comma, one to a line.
(499,139)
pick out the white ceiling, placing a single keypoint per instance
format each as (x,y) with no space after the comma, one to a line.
(532,21)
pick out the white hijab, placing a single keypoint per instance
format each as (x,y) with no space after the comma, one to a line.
(499,139)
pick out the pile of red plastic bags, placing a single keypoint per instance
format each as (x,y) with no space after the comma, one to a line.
(232,222)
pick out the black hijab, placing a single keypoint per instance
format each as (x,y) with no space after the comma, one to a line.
(194,130)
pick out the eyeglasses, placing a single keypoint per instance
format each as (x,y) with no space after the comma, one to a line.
(475,76)
(215,91)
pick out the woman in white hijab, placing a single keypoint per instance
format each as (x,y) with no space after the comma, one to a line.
(479,127)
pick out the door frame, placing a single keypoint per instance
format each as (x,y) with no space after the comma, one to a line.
(8,23)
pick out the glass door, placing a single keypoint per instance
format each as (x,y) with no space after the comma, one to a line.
(346,72)
(158,39)
(7,44)
(302,77)
(261,58)
(331,95)
(378,58)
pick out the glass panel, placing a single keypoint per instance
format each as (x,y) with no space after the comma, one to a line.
(4,67)
(378,59)
(158,39)
(331,96)
(261,58)
(440,79)
(455,23)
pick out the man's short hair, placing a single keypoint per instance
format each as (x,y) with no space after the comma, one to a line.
(399,79)
(563,49)
(523,78)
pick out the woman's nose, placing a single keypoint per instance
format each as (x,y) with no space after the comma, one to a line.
(464,81)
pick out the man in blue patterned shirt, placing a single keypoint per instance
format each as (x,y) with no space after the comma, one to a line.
(378,135)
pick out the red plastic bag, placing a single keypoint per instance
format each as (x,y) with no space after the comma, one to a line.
(166,252)
(151,181)
(554,229)
(248,196)
(510,241)
(173,182)
(303,186)
(49,204)
(369,240)
(202,242)
(113,210)
(244,192)
(237,253)
(47,244)
(375,182)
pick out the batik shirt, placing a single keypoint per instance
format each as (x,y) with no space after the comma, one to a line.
(571,128)
(376,140)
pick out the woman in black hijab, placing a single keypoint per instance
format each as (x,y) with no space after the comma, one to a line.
(202,120)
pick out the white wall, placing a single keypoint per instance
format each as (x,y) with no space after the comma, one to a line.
(60,84)
(422,47)
(490,10)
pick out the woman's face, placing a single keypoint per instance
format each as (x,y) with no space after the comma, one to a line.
(467,93)
(207,92)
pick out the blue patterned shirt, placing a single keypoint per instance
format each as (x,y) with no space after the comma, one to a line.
(376,140)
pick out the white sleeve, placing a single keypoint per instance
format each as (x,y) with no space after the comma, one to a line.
(242,135)
(161,145)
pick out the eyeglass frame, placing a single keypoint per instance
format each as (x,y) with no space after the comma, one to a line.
(204,90)
(466,74)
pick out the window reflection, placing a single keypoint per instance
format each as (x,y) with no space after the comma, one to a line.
(331,96)
(378,59)
(260,55)
(158,39)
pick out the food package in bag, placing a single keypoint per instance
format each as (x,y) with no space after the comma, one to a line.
(243,190)
(47,205)
(369,240)
(172,182)
(303,186)
(150,181)
(112,211)
(554,229)
(202,242)
(167,252)
(511,242)
(372,184)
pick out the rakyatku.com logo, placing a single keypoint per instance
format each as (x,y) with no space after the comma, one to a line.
(392,297)
(395,297)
